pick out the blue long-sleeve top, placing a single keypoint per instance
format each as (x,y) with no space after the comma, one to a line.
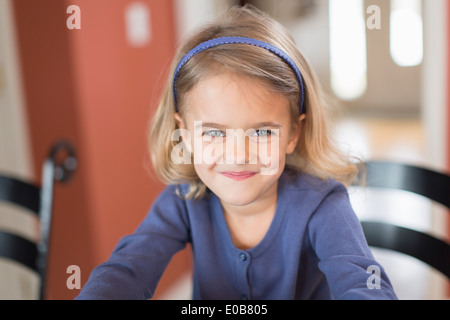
(314,249)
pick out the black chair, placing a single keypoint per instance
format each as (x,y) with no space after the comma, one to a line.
(433,185)
(59,166)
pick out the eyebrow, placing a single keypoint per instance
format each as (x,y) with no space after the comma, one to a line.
(256,125)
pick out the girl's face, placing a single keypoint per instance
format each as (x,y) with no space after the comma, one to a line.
(239,133)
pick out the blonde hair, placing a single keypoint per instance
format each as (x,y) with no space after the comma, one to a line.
(315,153)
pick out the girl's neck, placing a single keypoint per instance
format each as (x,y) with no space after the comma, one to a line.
(265,202)
(248,224)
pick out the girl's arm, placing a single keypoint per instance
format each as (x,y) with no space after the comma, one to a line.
(345,258)
(138,261)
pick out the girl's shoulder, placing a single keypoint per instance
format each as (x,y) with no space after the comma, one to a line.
(170,195)
(307,195)
(178,192)
(302,181)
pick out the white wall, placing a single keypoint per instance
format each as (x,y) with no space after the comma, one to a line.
(435,108)
(191,13)
(434,81)
(15,282)
(14,145)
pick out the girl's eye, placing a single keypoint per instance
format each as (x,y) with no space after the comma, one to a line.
(214,133)
(255,133)
(263,132)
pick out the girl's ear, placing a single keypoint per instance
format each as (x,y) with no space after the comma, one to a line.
(184,132)
(179,121)
(295,134)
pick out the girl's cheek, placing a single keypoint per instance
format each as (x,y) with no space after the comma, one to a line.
(212,152)
(269,155)
(207,151)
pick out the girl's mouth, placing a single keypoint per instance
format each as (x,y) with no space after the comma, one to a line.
(238,175)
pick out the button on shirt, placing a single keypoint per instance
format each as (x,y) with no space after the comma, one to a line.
(314,249)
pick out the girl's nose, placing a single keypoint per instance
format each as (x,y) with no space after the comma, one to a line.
(238,148)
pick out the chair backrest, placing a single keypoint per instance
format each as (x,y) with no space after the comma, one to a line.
(25,195)
(59,165)
(428,183)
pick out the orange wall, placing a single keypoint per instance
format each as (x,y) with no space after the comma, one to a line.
(91,87)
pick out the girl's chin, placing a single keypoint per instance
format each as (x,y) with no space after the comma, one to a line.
(236,197)
(236,200)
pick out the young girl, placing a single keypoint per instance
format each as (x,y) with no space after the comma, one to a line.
(255,184)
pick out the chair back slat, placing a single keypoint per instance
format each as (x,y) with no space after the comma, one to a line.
(433,185)
(18,249)
(20,193)
(428,183)
(59,165)
(431,250)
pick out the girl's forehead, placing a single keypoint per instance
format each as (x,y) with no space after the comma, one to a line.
(230,96)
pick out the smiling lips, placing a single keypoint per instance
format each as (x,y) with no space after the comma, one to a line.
(239,175)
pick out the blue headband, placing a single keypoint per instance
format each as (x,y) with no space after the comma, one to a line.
(240,40)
